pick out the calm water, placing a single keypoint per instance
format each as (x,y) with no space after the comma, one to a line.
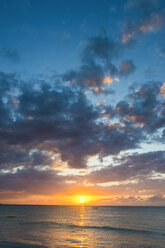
(74,226)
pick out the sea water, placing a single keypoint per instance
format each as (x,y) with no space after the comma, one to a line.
(81,226)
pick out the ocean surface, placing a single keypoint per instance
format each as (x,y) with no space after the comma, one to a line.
(80,226)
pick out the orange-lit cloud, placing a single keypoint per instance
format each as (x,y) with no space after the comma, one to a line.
(108,80)
(162,90)
(152,23)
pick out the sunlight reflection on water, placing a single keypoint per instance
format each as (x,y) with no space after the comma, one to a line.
(80,226)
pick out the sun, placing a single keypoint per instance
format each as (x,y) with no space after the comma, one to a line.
(82,199)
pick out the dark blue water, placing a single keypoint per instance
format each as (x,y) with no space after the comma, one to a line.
(78,226)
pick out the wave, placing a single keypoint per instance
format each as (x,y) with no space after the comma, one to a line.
(12,244)
(120,229)
(104,228)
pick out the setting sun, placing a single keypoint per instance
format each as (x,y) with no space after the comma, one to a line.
(82,199)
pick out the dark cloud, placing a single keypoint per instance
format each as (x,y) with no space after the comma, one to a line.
(32,181)
(132,30)
(131,167)
(149,17)
(58,118)
(10,53)
(89,75)
(162,51)
(44,121)
(126,67)
(116,137)
(38,113)
(111,69)
(13,156)
(47,113)
(145,107)
(97,66)
(101,47)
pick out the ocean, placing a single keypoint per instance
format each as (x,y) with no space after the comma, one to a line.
(81,226)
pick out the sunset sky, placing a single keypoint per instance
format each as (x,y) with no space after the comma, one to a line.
(82,102)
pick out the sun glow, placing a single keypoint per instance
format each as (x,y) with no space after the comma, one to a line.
(82,199)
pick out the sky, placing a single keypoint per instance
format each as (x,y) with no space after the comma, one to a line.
(82,102)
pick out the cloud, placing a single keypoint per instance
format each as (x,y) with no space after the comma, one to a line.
(101,47)
(97,70)
(162,51)
(89,75)
(31,180)
(22,157)
(10,53)
(58,118)
(131,167)
(132,30)
(47,122)
(162,89)
(145,107)
(61,116)
(155,200)
(126,67)
(149,18)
